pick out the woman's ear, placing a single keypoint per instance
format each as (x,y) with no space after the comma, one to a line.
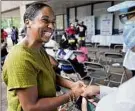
(27,23)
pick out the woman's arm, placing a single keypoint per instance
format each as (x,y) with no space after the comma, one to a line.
(31,102)
(67,83)
(64,82)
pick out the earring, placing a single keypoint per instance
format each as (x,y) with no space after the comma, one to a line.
(27,22)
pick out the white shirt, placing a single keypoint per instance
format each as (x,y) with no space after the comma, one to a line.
(63,37)
(53,44)
(117,99)
(129,60)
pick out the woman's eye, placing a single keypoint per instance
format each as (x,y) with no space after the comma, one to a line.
(46,21)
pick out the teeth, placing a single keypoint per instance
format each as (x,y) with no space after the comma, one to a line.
(48,34)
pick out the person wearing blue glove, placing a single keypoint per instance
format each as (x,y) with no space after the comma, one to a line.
(123,97)
(127,17)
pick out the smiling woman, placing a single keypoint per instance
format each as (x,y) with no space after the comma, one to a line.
(40,26)
(27,71)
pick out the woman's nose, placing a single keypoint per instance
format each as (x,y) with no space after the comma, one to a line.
(51,25)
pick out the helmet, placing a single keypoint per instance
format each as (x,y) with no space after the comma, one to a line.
(125,8)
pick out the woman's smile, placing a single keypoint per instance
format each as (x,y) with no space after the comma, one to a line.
(47,34)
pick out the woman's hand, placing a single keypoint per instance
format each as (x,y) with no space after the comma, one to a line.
(90,91)
(76,92)
(78,88)
(78,84)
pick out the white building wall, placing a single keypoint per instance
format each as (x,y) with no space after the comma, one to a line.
(100,9)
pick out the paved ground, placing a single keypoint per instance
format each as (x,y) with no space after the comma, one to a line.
(3,106)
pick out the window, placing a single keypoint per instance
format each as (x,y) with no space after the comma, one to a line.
(59,22)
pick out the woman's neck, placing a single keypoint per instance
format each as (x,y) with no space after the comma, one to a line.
(31,43)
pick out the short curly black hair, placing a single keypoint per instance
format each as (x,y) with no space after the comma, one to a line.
(31,11)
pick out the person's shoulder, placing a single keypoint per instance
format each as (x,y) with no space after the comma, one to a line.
(85,26)
(18,52)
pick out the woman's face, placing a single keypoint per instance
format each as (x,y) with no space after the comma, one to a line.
(41,27)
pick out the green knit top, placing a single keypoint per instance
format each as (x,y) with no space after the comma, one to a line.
(24,68)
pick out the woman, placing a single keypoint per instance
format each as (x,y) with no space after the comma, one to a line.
(27,71)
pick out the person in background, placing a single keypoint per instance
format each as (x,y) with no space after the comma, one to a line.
(64,39)
(76,27)
(82,57)
(51,47)
(72,41)
(17,35)
(123,97)
(27,71)
(4,35)
(67,54)
(23,32)
(4,51)
(14,35)
(82,31)
(71,30)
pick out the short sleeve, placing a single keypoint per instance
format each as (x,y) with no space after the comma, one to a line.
(19,73)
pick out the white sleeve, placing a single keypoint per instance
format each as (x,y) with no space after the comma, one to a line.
(124,48)
(104,90)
